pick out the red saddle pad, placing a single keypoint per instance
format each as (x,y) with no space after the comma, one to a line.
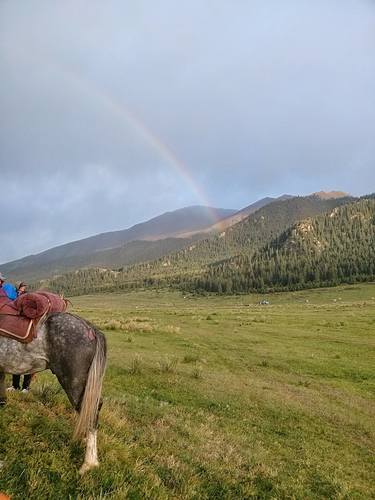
(19,318)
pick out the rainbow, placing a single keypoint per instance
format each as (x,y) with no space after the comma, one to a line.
(144,131)
(121,110)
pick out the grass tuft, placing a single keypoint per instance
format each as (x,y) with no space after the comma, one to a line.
(136,365)
(190,358)
(168,364)
(197,372)
(172,329)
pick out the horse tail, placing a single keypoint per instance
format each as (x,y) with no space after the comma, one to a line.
(91,401)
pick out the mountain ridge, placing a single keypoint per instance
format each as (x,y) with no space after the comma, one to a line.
(170,231)
(242,214)
(243,239)
(166,225)
(329,195)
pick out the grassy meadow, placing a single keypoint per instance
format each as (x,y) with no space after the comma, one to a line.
(211,398)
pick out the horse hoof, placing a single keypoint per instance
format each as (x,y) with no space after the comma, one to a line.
(86,467)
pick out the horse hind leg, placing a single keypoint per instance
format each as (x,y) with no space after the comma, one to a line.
(78,361)
(2,389)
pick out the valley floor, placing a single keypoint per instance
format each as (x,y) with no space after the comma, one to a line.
(215,397)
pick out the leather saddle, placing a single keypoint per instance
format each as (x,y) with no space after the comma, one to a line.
(19,318)
(12,324)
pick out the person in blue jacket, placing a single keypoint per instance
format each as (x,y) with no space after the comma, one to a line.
(10,290)
(16,379)
(7,288)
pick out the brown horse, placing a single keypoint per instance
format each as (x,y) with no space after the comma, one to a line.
(75,351)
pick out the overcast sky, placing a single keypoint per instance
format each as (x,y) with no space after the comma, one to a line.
(113,112)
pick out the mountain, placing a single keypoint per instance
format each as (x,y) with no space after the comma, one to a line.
(125,255)
(245,237)
(91,251)
(191,263)
(336,247)
(146,241)
(242,214)
(245,212)
(329,195)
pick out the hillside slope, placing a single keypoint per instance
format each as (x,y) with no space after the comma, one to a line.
(241,215)
(91,251)
(243,239)
(329,249)
(252,233)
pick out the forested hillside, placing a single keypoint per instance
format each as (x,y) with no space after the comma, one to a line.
(234,261)
(125,255)
(243,238)
(244,213)
(326,250)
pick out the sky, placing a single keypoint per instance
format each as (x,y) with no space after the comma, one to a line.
(114,112)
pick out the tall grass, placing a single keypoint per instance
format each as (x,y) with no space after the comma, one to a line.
(252,403)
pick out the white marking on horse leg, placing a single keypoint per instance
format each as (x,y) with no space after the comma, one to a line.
(91,457)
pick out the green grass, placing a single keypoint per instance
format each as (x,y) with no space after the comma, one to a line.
(215,397)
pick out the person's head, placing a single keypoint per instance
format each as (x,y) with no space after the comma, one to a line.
(22,287)
(2,279)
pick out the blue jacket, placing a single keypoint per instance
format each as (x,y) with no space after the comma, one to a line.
(10,290)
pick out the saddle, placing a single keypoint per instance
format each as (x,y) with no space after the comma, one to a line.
(19,318)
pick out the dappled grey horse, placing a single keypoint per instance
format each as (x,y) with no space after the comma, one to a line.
(75,351)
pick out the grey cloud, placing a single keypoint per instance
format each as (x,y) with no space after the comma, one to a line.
(255,98)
